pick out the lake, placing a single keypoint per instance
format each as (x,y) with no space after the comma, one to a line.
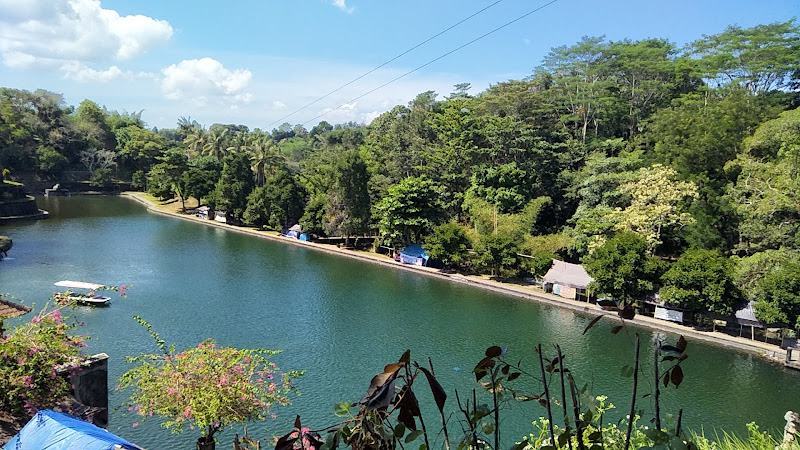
(341,320)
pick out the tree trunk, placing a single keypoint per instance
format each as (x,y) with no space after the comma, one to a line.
(206,443)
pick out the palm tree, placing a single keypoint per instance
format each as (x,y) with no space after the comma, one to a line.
(195,140)
(264,158)
(215,143)
(238,143)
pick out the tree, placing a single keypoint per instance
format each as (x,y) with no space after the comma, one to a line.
(198,183)
(264,158)
(102,159)
(750,271)
(216,142)
(622,268)
(235,184)
(580,86)
(278,203)
(645,75)
(767,199)
(449,244)
(408,210)
(196,138)
(658,201)
(208,387)
(101,178)
(498,253)
(348,208)
(140,148)
(701,280)
(780,303)
(760,58)
(166,177)
(778,139)
(50,161)
(504,186)
(92,121)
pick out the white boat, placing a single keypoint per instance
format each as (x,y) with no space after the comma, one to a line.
(87,298)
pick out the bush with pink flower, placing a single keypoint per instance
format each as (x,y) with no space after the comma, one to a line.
(33,357)
(208,387)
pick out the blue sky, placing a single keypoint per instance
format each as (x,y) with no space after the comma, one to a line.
(253,62)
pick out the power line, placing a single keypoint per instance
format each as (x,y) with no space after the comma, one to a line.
(434,60)
(384,64)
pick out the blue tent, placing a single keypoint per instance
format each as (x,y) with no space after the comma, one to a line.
(50,430)
(414,254)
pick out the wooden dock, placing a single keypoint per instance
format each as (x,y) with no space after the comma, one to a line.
(792,358)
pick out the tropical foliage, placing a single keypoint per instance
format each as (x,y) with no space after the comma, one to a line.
(688,148)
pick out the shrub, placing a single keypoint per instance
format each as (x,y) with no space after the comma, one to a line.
(208,387)
(32,356)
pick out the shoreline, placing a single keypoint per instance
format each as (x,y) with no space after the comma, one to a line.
(770,352)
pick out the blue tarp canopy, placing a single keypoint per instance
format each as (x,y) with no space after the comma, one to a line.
(414,254)
(51,430)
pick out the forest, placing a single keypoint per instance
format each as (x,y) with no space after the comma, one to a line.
(667,171)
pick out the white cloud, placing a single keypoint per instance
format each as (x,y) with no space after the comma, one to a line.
(342,4)
(54,33)
(199,80)
(79,72)
(277,104)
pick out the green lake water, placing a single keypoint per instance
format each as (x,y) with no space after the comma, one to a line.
(339,319)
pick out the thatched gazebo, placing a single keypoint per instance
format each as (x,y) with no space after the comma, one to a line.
(9,310)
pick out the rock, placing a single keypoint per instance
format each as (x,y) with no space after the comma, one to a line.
(5,245)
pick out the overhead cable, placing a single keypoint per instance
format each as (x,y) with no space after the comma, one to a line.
(384,64)
(432,61)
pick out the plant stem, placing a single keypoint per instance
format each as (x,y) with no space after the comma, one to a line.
(678,426)
(577,413)
(441,414)
(465,410)
(658,391)
(547,398)
(496,410)
(563,392)
(633,398)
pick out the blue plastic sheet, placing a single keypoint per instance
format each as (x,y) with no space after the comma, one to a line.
(51,430)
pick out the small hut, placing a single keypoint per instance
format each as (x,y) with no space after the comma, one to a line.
(747,318)
(567,280)
(221,216)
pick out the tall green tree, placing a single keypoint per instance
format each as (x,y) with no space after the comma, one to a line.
(766,197)
(235,184)
(409,210)
(348,209)
(780,303)
(658,201)
(166,177)
(93,122)
(701,280)
(279,203)
(498,254)
(623,268)
(761,58)
(580,87)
